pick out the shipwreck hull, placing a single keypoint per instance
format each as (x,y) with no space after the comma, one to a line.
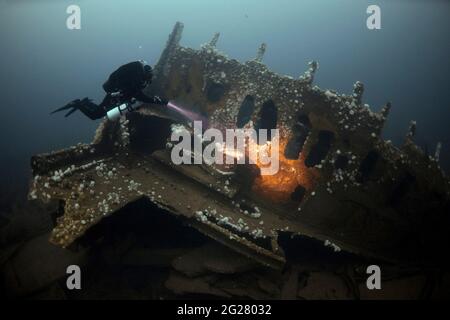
(339,181)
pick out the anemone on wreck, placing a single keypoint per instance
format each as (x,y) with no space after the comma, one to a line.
(339,182)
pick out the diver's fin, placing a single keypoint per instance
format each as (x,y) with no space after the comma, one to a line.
(86,106)
(70,112)
(60,109)
(67,106)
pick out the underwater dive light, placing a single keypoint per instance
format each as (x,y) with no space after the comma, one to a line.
(186,113)
(125,108)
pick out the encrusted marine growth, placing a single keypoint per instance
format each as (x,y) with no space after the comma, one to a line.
(339,182)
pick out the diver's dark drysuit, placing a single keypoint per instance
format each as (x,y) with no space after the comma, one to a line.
(123,86)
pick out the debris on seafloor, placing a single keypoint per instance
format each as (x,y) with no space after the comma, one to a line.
(339,182)
(212,258)
(142,252)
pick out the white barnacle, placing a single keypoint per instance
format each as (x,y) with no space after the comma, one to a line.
(328,243)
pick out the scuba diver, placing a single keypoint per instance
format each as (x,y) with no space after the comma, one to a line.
(123,93)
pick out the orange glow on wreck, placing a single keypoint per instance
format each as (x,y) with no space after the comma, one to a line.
(278,187)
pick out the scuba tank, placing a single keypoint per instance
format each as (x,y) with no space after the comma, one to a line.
(122,109)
